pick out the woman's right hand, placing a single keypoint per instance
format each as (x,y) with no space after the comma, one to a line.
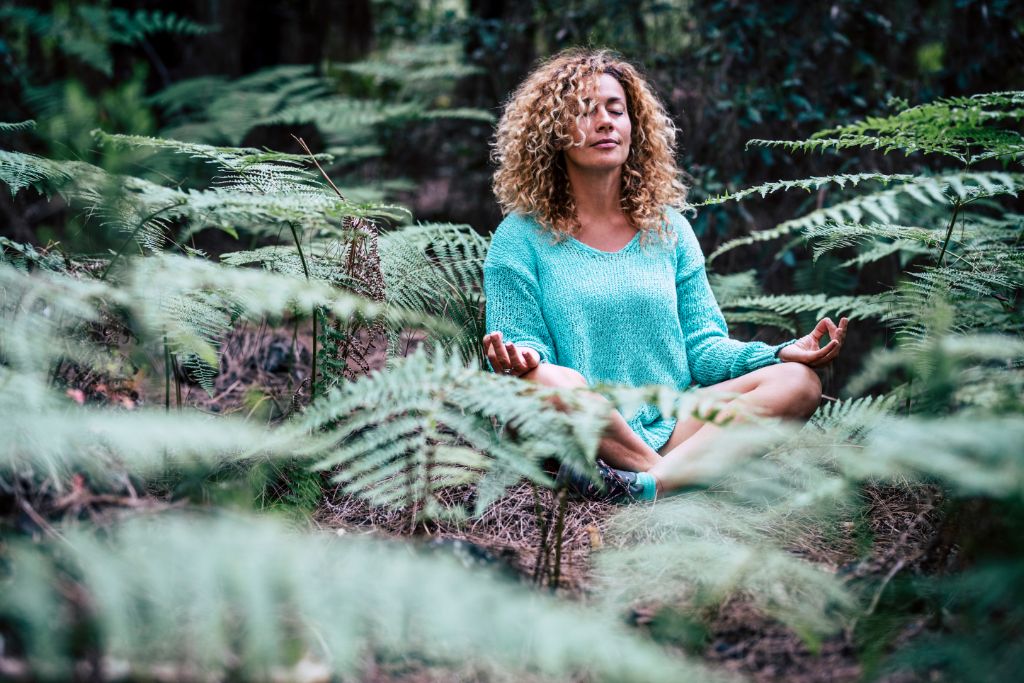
(508,359)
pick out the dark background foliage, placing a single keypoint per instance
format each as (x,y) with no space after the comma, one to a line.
(727,71)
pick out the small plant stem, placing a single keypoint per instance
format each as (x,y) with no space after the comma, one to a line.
(312,377)
(949,230)
(305,271)
(563,505)
(177,382)
(298,245)
(167,376)
(542,525)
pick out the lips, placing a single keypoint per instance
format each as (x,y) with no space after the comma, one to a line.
(606,143)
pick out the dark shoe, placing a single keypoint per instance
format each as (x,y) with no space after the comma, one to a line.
(616,486)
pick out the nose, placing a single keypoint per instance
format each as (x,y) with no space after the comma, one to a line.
(602,119)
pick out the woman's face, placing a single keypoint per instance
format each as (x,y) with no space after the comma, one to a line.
(606,128)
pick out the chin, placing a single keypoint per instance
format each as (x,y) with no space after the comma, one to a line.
(600,164)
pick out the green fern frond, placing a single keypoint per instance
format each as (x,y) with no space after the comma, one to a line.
(760,318)
(219,111)
(808,184)
(884,206)
(18,171)
(15,127)
(461,113)
(239,159)
(695,553)
(398,437)
(81,34)
(25,257)
(958,127)
(728,288)
(85,32)
(973,281)
(881,250)
(257,186)
(848,421)
(856,411)
(185,95)
(832,236)
(133,27)
(417,69)
(950,451)
(40,314)
(384,71)
(198,593)
(324,261)
(52,439)
(821,305)
(343,118)
(438,269)
(191,302)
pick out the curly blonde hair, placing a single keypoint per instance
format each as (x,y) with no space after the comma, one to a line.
(542,119)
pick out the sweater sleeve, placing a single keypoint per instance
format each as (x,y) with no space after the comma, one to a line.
(512,291)
(712,356)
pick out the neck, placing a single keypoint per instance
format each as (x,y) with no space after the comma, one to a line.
(598,194)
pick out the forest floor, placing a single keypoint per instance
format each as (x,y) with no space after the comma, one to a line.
(259,379)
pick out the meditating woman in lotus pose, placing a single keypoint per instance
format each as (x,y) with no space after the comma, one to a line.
(595,276)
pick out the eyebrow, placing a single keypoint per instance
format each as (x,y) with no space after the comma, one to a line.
(614,99)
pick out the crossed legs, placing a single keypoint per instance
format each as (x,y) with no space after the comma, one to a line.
(786,390)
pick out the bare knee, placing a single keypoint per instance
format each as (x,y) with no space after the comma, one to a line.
(803,387)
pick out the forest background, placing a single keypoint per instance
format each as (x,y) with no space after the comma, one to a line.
(167,161)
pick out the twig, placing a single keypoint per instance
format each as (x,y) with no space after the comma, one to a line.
(307,150)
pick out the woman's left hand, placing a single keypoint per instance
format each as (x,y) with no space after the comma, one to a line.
(808,349)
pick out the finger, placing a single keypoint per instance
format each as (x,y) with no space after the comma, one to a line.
(825,354)
(532,358)
(492,357)
(831,355)
(831,327)
(819,331)
(488,350)
(501,352)
(842,329)
(492,352)
(516,361)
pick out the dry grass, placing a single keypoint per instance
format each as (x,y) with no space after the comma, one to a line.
(508,534)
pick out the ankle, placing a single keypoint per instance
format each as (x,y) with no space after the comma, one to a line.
(658,486)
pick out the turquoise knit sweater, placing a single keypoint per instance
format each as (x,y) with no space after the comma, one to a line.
(642,315)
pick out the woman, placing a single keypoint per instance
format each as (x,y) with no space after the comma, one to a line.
(595,276)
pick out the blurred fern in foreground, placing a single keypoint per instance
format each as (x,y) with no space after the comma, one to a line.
(246,597)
